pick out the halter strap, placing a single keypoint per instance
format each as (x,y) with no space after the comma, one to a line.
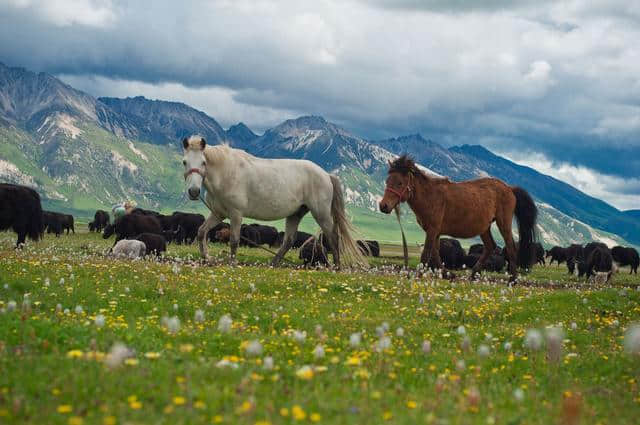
(400,194)
(193,170)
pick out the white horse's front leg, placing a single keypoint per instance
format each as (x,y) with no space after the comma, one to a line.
(203,231)
(234,239)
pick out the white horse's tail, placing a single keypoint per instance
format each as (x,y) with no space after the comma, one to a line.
(343,228)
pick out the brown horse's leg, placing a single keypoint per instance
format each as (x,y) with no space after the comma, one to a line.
(430,255)
(505,230)
(489,245)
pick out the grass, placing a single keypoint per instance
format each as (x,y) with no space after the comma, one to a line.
(53,370)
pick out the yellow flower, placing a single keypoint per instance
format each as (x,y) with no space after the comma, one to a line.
(179,400)
(315,417)
(167,409)
(263,423)
(362,374)
(284,412)
(412,404)
(376,395)
(131,362)
(199,404)
(75,354)
(75,420)
(135,405)
(152,355)
(186,348)
(245,407)
(298,413)
(387,415)
(353,361)
(217,419)
(64,408)
(109,420)
(305,372)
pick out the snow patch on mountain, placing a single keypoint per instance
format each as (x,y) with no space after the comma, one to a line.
(137,151)
(121,163)
(10,172)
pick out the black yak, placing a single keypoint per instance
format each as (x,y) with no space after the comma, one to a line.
(557,254)
(451,253)
(52,222)
(190,223)
(369,247)
(213,232)
(20,210)
(598,260)
(298,239)
(130,225)
(313,253)
(268,234)
(626,257)
(100,221)
(156,244)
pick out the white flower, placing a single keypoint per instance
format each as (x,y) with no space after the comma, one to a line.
(224,324)
(254,348)
(460,365)
(267,363)
(518,394)
(354,339)
(488,337)
(198,316)
(533,339)
(426,347)
(461,330)
(299,336)
(484,350)
(99,321)
(574,326)
(79,309)
(400,332)
(118,353)
(209,303)
(47,282)
(632,339)
(11,305)
(384,343)
(252,287)
(319,331)
(584,301)
(173,324)
(62,281)
(66,311)
(175,307)
(318,352)
(555,336)
(507,346)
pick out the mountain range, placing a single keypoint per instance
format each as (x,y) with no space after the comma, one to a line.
(83,152)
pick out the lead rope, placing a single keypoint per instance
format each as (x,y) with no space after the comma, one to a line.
(405,249)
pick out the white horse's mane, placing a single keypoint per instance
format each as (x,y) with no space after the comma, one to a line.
(218,153)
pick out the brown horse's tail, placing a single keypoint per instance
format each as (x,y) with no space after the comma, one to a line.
(526,213)
(342,227)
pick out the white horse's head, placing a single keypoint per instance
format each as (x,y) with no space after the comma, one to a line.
(194,163)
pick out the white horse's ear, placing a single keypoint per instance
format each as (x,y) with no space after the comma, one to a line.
(185,143)
(203,143)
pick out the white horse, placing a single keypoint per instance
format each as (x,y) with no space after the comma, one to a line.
(240,185)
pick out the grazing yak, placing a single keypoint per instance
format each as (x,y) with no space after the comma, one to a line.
(52,222)
(249,236)
(131,225)
(100,221)
(574,253)
(476,248)
(626,257)
(369,248)
(495,262)
(213,232)
(598,260)
(557,254)
(451,253)
(268,234)
(129,248)
(536,255)
(223,235)
(20,210)
(190,223)
(314,253)
(156,244)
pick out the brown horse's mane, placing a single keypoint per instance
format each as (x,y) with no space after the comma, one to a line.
(405,164)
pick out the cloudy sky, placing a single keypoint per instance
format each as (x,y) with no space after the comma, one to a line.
(551,84)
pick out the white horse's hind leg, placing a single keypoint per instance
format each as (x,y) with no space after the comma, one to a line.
(325,221)
(290,229)
(203,231)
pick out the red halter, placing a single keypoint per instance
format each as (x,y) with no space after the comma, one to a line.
(193,170)
(400,194)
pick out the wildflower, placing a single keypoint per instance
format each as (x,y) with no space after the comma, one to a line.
(11,305)
(384,343)
(198,317)
(175,307)
(574,325)
(299,336)
(426,347)
(632,339)
(518,394)
(461,330)
(224,363)
(152,355)
(284,412)
(267,363)
(224,324)
(173,324)
(99,321)
(254,348)
(75,354)
(79,309)
(460,365)
(507,346)
(297,413)
(354,339)
(400,332)
(118,353)
(64,408)
(533,340)
(319,331)
(318,352)
(58,308)
(305,373)
(484,350)
(555,337)
(412,404)
(315,417)
(466,344)
(179,400)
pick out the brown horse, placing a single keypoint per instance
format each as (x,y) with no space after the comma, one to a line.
(462,210)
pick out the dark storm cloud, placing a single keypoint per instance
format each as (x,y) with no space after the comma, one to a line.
(559,78)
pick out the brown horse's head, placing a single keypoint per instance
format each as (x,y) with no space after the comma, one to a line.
(398,184)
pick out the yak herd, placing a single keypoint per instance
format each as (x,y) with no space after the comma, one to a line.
(144,232)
